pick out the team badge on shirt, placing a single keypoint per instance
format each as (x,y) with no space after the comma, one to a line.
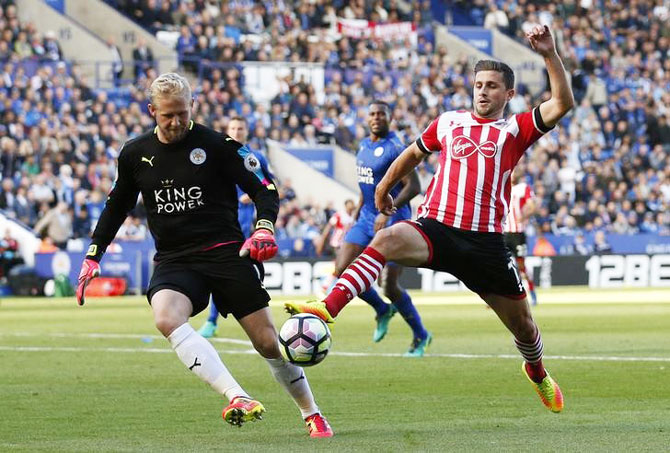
(251,163)
(379,151)
(198,156)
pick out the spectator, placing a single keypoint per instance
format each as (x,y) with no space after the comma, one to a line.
(143,58)
(52,49)
(132,230)
(116,64)
(7,197)
(81,225)
(496,18)
(596,92)
(600,245)
(580,246)
(664,133)
(57,223)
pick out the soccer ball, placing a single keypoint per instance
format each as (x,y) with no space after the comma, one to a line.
(304,339)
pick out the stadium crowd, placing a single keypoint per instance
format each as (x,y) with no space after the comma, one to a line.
(605,169)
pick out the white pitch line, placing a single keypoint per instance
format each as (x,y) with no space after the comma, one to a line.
(335,353)
(114,335)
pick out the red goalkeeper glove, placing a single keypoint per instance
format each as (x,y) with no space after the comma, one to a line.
(89,270)
(261,245)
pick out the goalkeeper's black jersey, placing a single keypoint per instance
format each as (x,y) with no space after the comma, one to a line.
(188,189)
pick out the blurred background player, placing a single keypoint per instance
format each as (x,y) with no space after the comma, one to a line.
(187,174)
(337,227)
(333,236)
(460,223)
(238,130)
(521,208)
(375,154)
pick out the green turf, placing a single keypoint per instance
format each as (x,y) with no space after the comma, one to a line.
(61,390)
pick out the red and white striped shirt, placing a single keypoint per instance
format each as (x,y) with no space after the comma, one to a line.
(471,187)
(520,194)
(341,223)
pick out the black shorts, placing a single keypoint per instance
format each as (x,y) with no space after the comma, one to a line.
(235,283)
(480,260)
(516,243)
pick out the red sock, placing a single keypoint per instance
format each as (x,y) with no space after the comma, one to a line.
(357,278)
(536,371)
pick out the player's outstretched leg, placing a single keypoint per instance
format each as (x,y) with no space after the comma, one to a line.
(401,243)
(357,278)
(260,329)
(208,329)
(516,316)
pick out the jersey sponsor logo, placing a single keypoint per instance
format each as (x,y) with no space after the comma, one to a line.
(149,161)
(463,147)
(365,175)
(177,199)
(378,151)
(198,156)
(251,163)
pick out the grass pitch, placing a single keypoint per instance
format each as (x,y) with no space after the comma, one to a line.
(99,378)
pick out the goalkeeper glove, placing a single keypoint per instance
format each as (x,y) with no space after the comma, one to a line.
(261,245)
(89,270)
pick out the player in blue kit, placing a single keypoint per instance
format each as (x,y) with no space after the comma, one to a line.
(238,130)
(375,155)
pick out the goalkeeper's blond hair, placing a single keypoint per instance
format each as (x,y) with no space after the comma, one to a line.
(169,84)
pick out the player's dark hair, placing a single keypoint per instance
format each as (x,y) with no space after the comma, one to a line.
(240,118)
(498,66)
(386,106)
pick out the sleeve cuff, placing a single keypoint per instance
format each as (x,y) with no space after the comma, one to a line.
(94,253)
(539,122)
(265,224)
(422,147)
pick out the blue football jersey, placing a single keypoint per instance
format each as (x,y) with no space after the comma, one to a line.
(372,161)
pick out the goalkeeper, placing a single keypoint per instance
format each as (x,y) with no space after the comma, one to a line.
(187,175)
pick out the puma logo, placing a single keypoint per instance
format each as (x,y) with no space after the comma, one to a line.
(302,376)
(195,364)
(149,161)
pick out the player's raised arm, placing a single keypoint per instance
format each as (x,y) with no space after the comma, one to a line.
(121,199)
(400,168)
(562,100)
